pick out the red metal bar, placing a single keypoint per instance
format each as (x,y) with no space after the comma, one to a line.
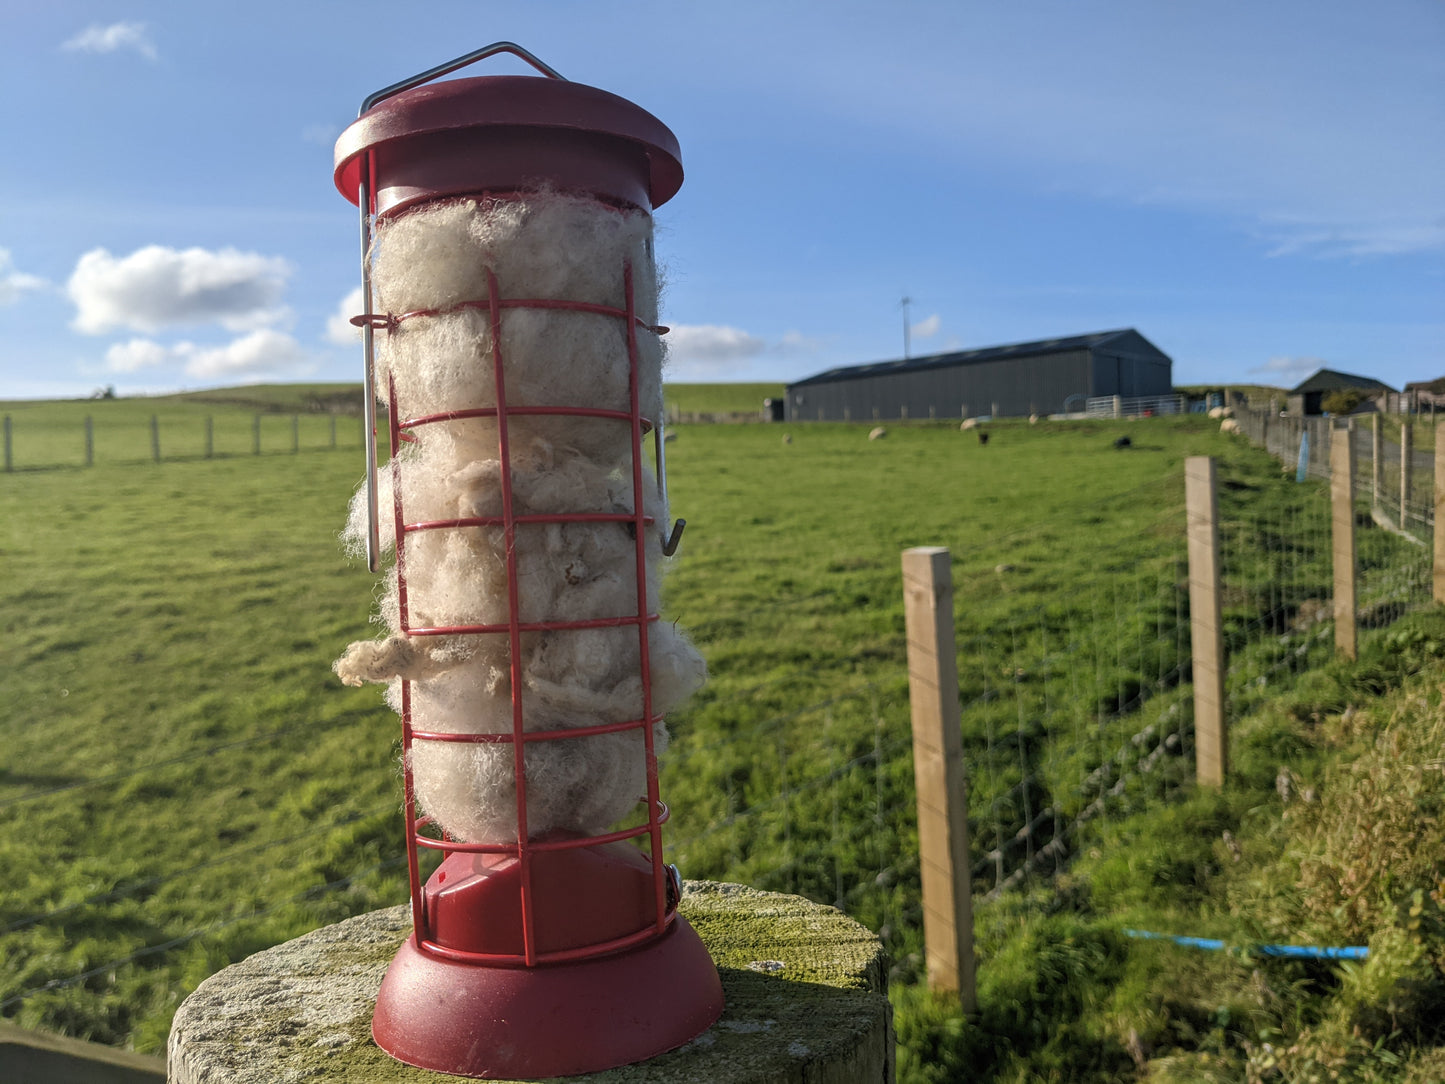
(528,626)
(659,884)
(568,844)
(535,517)
(514,632)
(491,412)
(530,736)
(390,320)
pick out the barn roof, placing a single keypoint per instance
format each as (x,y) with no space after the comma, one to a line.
(1435,387)
(969,357)
(1330,380)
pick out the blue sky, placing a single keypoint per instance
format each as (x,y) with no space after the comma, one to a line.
(1259,188)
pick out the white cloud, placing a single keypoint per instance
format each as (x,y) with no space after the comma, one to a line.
(339,328)
(155,288)
(1315,127)
(108,39)
(1296,367)
(795,342)
(262,353)
(711,344)
(130,357)
(14,283)
(927,327)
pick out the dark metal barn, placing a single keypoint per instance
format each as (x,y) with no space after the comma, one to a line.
(1045,377)
(1308,396)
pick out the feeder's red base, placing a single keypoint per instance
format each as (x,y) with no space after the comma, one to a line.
(482,1018)
(557,1020)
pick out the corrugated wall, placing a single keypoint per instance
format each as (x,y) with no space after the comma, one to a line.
(1018,386)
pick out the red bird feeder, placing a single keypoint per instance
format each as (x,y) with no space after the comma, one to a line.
(510,322)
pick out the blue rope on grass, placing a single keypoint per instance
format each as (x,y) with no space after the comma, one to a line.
(1308,952)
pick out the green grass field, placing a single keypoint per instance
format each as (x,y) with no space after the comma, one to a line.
(187,782)
(719,398)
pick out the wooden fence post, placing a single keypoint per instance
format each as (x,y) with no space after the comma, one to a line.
(333,430)
(1377,462)
(295,433)
(1206,626)
(9,461)
(256,435)
(939,773)
(1407,463)
(210,436)
(1439,580)
(155,438)
(1342,534)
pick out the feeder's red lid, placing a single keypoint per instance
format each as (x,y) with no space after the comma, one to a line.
(501,133)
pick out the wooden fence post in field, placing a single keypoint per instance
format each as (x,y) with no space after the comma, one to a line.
(89,441)
(1342,534)
(1377,460)
(1439,581)
(333,430)
(256,435)
(938,772)
(295,433)
(155,438)
(210,436)
(9,462)
(1206,626)
(1407,462)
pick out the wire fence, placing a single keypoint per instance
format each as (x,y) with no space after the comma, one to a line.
(1077,710)
(1394,459)
(43,442)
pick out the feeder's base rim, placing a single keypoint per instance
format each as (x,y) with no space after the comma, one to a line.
(559,1020)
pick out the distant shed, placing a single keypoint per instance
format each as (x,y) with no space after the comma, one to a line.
(1043,377)
(1307,397)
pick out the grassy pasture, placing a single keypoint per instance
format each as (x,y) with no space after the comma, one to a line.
(719,398)
(187,782)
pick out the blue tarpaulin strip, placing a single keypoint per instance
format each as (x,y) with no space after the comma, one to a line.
(1309,952)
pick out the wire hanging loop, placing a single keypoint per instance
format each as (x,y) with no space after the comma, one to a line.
(453,65)
(366,323)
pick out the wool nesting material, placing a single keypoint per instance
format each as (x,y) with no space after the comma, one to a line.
(541,246)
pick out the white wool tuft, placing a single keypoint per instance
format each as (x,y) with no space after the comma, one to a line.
(543,246)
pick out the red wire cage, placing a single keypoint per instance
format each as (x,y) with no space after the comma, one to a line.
(562,953)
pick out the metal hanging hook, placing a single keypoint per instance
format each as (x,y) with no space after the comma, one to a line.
(460,62)
(368,320)
(670,543)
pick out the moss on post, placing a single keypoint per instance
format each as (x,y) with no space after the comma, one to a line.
(804,984)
